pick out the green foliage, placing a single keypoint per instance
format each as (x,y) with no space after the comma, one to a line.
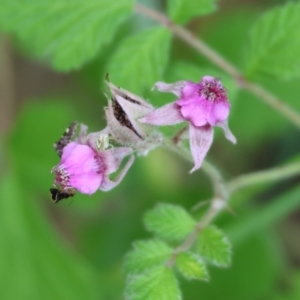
(68,33)
(191,266)
(140,59)
(39,263)
(38,127)
(214,246)
(294,292)
(32,258)
(173,223)
(158,283)
(256,260)
(273,47)
(146,254)
(182,11)
(267,215)
(170,222)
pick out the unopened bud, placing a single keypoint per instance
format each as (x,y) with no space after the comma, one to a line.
(124,108)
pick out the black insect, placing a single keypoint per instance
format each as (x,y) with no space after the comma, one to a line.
(58,195)
(66,138)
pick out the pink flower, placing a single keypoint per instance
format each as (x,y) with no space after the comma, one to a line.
(85,164)
(203,105)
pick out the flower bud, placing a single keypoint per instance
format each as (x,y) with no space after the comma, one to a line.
(124,108)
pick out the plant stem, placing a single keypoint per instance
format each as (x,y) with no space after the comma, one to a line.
(222,191)
(190,39)
(222,63)
(216,206)
(261,177)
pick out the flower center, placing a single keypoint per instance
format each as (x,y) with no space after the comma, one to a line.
(62,177)
(213,90)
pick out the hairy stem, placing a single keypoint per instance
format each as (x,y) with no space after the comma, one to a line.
(222,190)
(217,203)
(222,63)
(216,206)
(190,39)
(261,177)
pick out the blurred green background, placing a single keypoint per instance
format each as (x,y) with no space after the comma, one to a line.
(74,249)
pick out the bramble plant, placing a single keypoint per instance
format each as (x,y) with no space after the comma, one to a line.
(187,242)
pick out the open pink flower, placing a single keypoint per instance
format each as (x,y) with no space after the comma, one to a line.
(203,105)
(85,165)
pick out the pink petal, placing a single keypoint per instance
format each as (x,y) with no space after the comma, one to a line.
(108,184)
(165,115)
(75,154)
(228,134)
(174,88)
(67,150)
(86,183)
(200,141)
(219,112)
(193,99)
(190,89)
(197,112)
(208,78)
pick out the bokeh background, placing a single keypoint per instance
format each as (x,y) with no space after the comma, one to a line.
(74,249)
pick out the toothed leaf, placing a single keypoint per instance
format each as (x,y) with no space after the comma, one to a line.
(158,283)
(274,43)
(140,59)
(214,246)
(67,33)
(191,266)
(146,254)
(182,11)
(170,222)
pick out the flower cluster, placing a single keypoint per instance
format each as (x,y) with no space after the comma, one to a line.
(87,160)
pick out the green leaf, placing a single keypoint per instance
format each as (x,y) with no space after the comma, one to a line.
(68,33)
(258,260)
(273,47)
(293,293)
(32,257)
(38,126)
(214,246)
(181,11)
(170,222)
(140,59)
(191,266)
(159,283)
(146,254)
